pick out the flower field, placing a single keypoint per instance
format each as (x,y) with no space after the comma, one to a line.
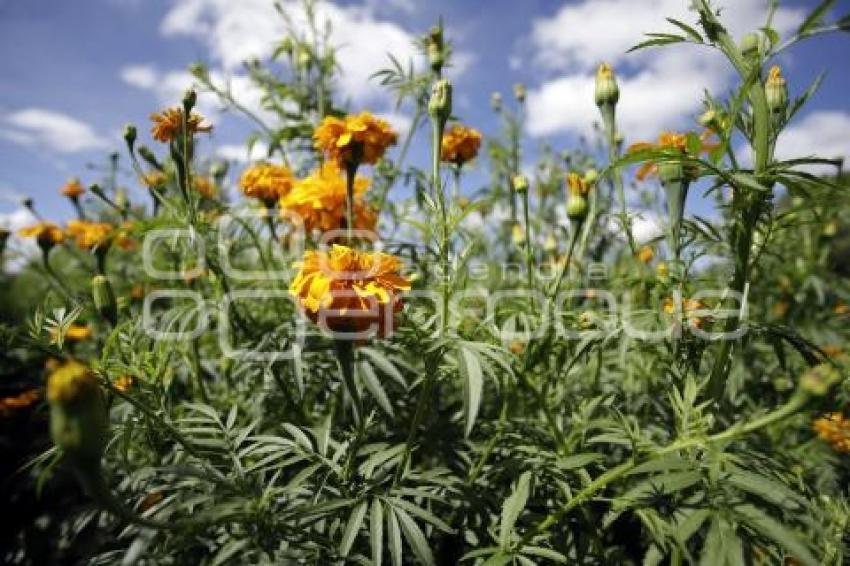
(335,354)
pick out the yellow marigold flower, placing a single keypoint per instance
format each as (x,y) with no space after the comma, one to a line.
(45,233)
(168,124)
(69,382)
(834,428)
(319,200)
(356,138)
(90,235)
(670,141)
(75,333)
(19,401)
(645,254)
(689,308)
(460,144)
(73,188)
(347,290)
(154,179)
(123,382)
(266,182)
(576,185)
(204,186)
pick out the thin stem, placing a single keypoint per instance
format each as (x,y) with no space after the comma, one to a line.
(529,256)
(350,175)
(438,125)
(610,124)
(414,125)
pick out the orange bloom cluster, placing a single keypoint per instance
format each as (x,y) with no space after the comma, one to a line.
(835,429)
(689,307)
(90,235)
(19,401)
(204,186)
(45,233)
(266,182)
(357,138)
(668,141)
(73,188)
(168,124)
(460,144)
(319,200)
(75,333)
(347,290)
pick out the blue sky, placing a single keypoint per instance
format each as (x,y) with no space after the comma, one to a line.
(74,72)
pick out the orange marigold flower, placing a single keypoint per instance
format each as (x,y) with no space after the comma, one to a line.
(669,141)
(137,292)
(45,233)
(90,235)
(73,188)
(645,254)
(75,333)
(19,401)
(576,185)
(123,382)
(841,308)
(204,186)
(689,308)
(460,144)
(319,199)
(346,290)
(834,428)
(168,124)
(266,182)
(356,138)
(154,179)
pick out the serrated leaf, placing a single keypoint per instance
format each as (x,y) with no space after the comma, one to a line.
(373,385)
(414,537)
(512,507)
(394,538)
(352,526)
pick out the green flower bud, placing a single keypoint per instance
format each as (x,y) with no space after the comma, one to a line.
(219,170)
(190,97)
(130,136)
(496,101)
(607,91)
(435,49)
(146,154)
(577,208)
(440,104)
(671,172)
(776,91)
(591,176)
(104,298)
(78,417)
(520,92)
(818,380)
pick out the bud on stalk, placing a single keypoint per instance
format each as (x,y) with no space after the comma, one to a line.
(776,91)
(577,206)
(104,298)
(440,104)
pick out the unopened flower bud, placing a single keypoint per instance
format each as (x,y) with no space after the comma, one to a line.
(708,118)
(577,190)
(199,70)
(520,92)
(818,380)
(146,154)
(130,136)
(121,199)
(776,91)
(496,101)
(750,45)
(591,176)
(671,172)
(607,91)
(517,234)
(551,244)
(520,183)
(78,419)
(104,298)
(219,170)
(190,97)
(435,48)
(440,104)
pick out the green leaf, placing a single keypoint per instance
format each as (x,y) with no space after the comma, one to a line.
(657,42)
(384,364)
(473,383)
(512,507)
(394,538)
(776,531)
(414,537)
(376,531)
(815,18)
(373,385)
(768,489)
(722,546)
(352,526)
(691,32)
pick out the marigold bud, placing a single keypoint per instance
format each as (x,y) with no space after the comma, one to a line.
(130,136)
(78,419)
(577,208)
(104,298)
(591,176)
(435,49)
(818,380)
(496,101)
(440,104)
(607,91)
(520,92)
(520,183)
(190,98)
(776,91)
(146,154)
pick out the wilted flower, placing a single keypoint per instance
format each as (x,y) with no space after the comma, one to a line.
(834,428)
(354,139)
(73,188)
(168,124)
(349,290)
(266,182)
(460,144)
(319,199)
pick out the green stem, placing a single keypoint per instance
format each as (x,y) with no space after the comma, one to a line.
(529,255)
(609,122)
(414,125)
(438,125)
(350,175)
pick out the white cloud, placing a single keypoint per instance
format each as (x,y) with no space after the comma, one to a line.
(239,31)
(240,152)
(660,88)
(140,76)
(51,130)
(822,133)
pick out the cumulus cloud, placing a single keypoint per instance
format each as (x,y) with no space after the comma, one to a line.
(824,133)
(660,88)
(238,31)
(54,131)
